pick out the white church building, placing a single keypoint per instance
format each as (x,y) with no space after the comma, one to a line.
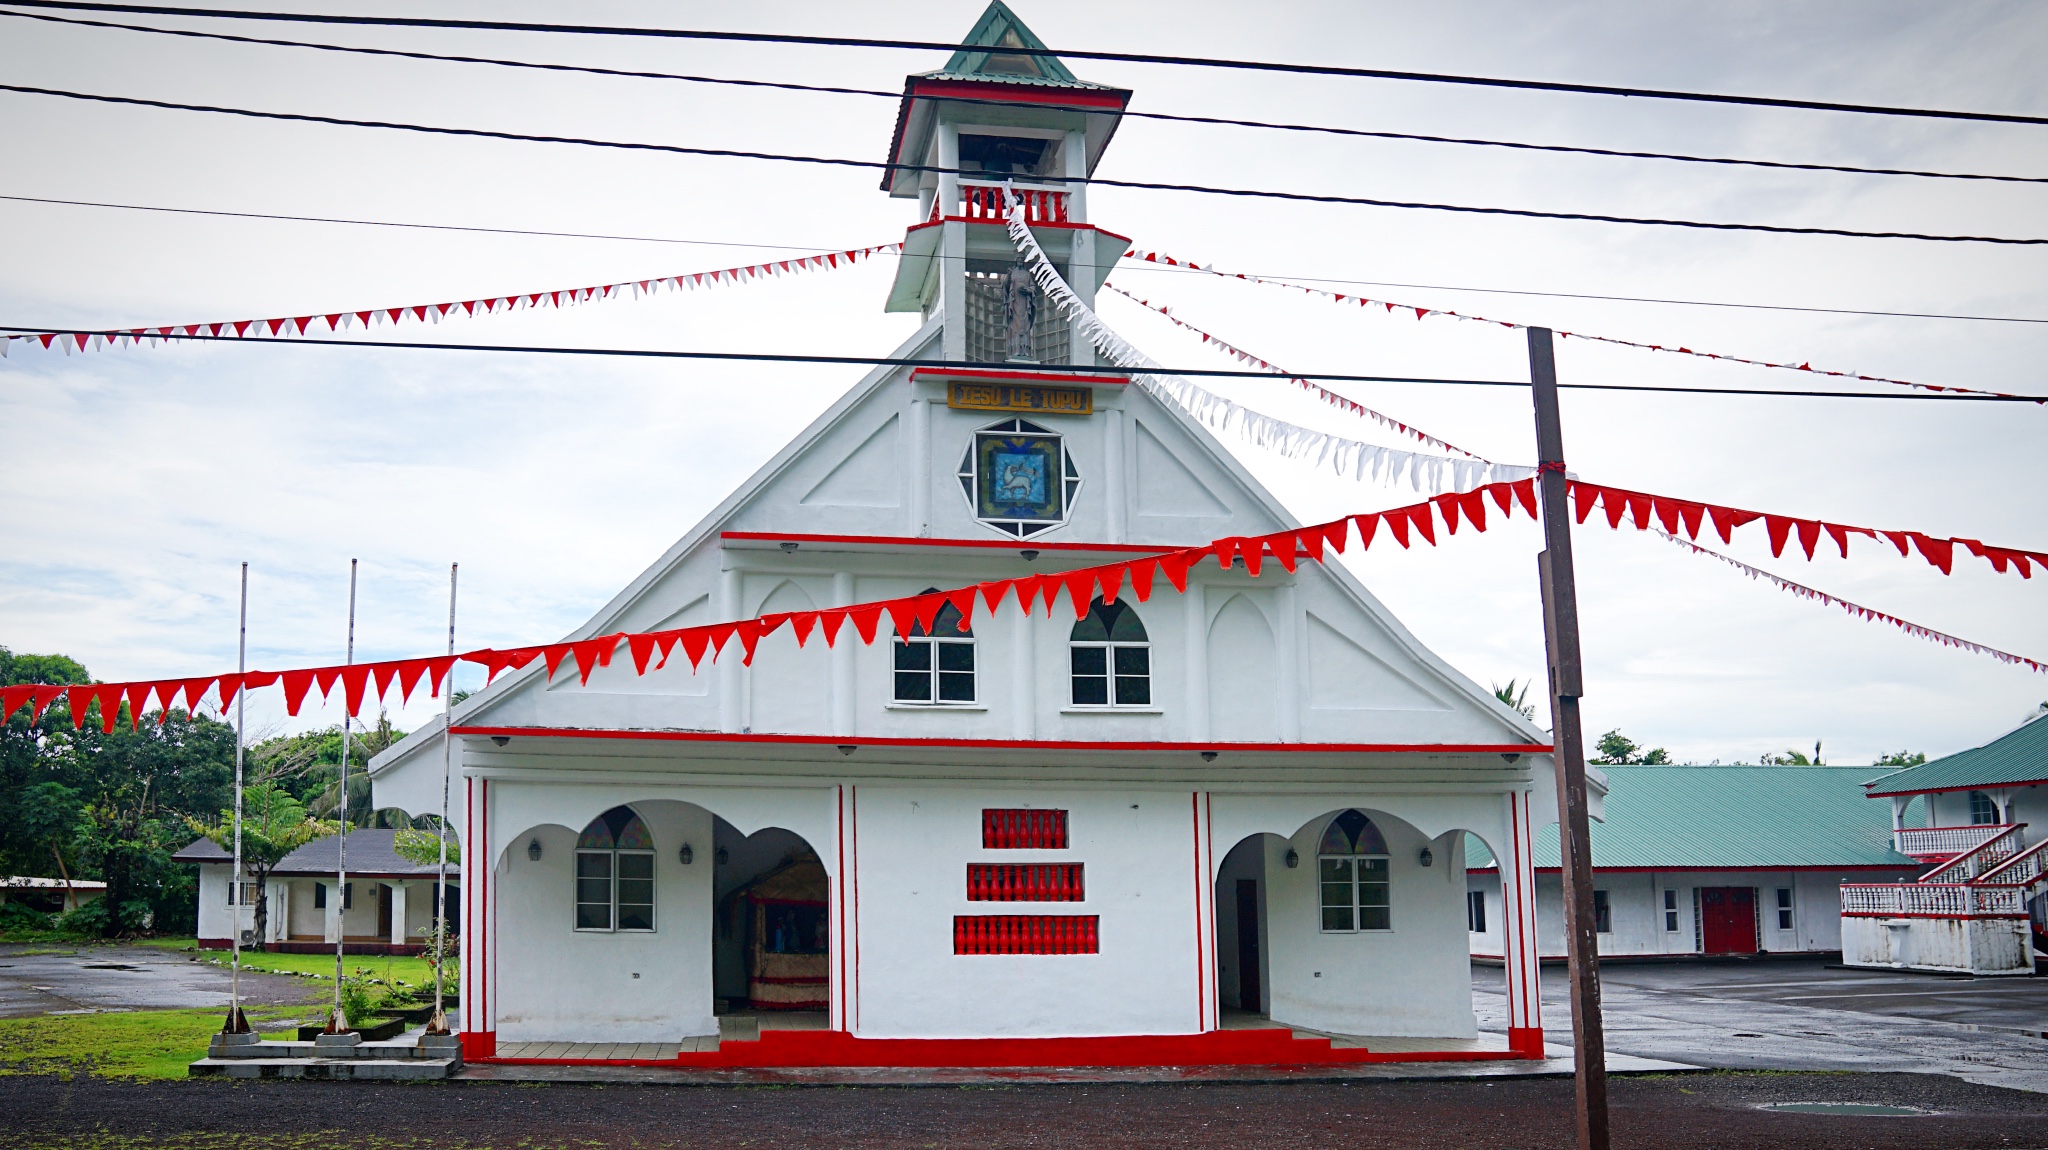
(1224,825)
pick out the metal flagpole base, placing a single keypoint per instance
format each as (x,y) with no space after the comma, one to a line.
(236,1023)
(337,1023)
(438,1024)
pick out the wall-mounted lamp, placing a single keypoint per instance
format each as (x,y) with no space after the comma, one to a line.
(789,547)
(847,748)
(686,855)
(724,856)
(1208,756)
(501,740)
(1510,757)
(1293,859)
(533,849)
(1426,858)
(1028,554)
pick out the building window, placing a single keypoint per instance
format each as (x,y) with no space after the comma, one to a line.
(1983,811)
(1475,911)
(248,895)
(937,666)
(348,896)
(1603,913)
(1670,909)
(1111,658)
(319,896)
(1018,478)
(1352,868)
(615,873)
(1784,908)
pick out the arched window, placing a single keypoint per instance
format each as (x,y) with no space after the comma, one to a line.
(1111,658)
(936,667)
(1983,810)
(615,873)
(1351,864)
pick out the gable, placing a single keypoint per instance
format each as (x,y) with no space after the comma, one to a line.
(1344,676)
(1000,28)
(866,478)
(1165,485)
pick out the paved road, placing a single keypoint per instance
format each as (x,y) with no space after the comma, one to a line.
(99,978)
(1796,1014)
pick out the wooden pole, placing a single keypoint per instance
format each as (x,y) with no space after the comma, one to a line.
(1567,684)
(438,1024)
(339,1023)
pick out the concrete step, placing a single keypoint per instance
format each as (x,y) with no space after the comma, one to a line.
(360,1069)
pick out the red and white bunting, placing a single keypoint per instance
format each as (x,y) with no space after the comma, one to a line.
(1861,612)
(1425,312)
(1341,402)
(338,321)
(370,682)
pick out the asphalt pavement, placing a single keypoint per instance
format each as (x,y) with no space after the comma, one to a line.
(42,979)
(1802,1014)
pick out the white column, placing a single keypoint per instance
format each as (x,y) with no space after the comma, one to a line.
(331,921)
(1075,153)
(1288,628)
(920,467)
(1518,925)
(953,288)
(731,716)
(399,891)
(1115,492)
(1196,616)
(1082,276)
(1023,673)
(842,656)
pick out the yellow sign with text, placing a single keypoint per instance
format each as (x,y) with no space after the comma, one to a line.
(964,396)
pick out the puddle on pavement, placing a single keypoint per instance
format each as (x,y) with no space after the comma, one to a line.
(107,966)
(1844,1109)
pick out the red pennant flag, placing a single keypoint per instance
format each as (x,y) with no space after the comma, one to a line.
(720,634)
(803,623)
(963,602)
(437,671)
(409,672)
(992,594)
(642,649)
(1779,527)
(1425,523)
(138,702)
(1310,541)
(1583,495)
(195,689)
(1448,504)
(1175,565)
(1666,511)
(902,616)
(1111,577)
(1690,514)
(1027,592)
(1284,549)
(1142,571)
(1725,520)
(865,620)
(1396,523)
(594,653)
(1614,503)
(1940,552)
(749,632)
(353,681)
(381,674)
(1226,552)
(44,695)
(1474,503)
(1639,510)
(695,640)
(1080,591)
(831,622)
(1501,493)
(296,684)
(1809,534)
(11,699)
(1367,526)
(78,697)
(1525,492)
(108,696)
(926,609)
(1898,539)
(1253,552)
(553,654)
(229,684)
(1337,534)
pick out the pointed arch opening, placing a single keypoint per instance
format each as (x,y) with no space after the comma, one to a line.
(1110,658)
(615,873)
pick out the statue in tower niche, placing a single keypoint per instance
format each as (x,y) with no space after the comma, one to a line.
(1020,309)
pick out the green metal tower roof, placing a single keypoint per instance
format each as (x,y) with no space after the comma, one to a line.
(1732,817)
(2019,756)
(997,29)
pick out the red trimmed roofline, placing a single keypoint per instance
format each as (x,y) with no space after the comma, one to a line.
(1005,744)
(1085,379)
(1900,868)
(914,541)
(1094,99)
(1005,223)
(1950,790)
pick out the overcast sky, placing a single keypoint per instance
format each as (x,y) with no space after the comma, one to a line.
(135,481)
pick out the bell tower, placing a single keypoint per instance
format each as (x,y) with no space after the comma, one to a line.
(993,116)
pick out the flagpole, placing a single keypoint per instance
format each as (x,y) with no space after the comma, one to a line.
(439,1024)
(237,1024)
(339,1023)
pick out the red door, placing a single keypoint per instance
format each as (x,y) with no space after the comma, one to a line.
(1728,919)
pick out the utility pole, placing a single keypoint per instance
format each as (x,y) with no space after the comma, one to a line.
(1567,684)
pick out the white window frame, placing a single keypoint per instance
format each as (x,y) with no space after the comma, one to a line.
(1990,800)
(969,475)
(1603,901)
(1671,910)
(1784,903)
(1357,886)
(935,641)
(611,904)
(1475,912)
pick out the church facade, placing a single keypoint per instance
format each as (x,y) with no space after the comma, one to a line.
(1176,831)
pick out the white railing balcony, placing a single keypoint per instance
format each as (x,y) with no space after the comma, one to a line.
(1929,899)
(983,203)
(1943,842)
(2023,870)
(1971,865)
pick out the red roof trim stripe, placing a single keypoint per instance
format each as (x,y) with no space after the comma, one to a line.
(1110,99)
(994,223)
(1950,790)
(909,541)
(1008,744)
(1034,376)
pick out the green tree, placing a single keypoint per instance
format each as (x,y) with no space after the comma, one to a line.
(1517,700)
(1792,758)
(274,824)
(1617,749)
(1901,759)
(422,847)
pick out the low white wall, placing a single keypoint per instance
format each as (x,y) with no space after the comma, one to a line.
(557,983)
(1973,946)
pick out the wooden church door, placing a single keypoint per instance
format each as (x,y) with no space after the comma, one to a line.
(1728,919)
(1248,944)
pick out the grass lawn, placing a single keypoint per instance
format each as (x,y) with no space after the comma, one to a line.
(118,1044)
(410,970)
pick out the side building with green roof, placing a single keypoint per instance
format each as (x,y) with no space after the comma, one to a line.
(1977,820)
(1709,860)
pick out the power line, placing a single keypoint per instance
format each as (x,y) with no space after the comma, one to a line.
(1147,185)
(1162,116)
(1076,54)
(1121,266)
(888,361)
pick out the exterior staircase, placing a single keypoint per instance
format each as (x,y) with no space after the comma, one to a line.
(1967,914)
